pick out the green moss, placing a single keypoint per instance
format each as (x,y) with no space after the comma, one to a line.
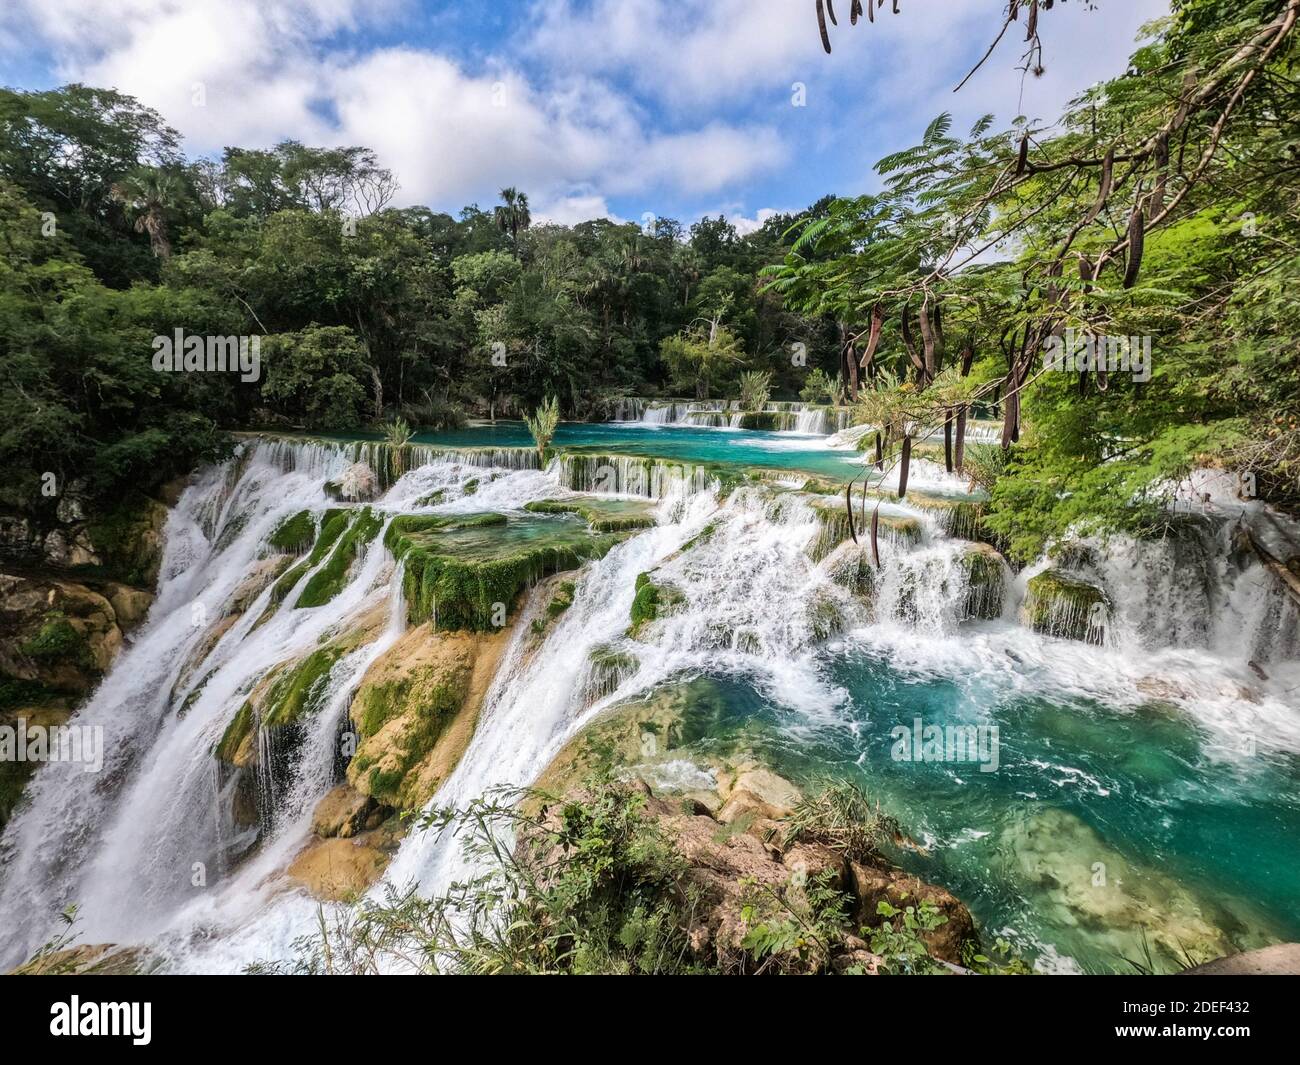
(599,516)
(425,701)
(124,538)
(444,584)
(330,578)
(58,641)
(985,584)
(765,420)
(1059,605)
(299,691)
(834,518)
(561,600)
(652,602)
(295,535)
(14,691)
(428,693)
(285,584)
(237,732)
(471,487)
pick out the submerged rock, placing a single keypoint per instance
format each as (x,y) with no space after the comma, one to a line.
(1081,882)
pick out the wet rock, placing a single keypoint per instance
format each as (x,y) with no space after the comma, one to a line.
(1058,604)
(338,870)
(1080,881)
(129,604)
(343,813)
(416,710)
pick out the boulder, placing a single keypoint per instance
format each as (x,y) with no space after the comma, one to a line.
(343,812)
(338,870)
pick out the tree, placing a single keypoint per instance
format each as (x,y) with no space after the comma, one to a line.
(148,194)
(316,375)
(700,358)
(513,215)
(542,424)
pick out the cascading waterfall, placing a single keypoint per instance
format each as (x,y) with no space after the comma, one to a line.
(751,581)
(804,419)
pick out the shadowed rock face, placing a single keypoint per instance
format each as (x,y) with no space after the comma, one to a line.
(1280,960)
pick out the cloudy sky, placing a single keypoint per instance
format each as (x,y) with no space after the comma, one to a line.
(593,107)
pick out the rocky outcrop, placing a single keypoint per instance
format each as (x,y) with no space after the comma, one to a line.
(746,859)
(416,710)
(340,869)
(60,635)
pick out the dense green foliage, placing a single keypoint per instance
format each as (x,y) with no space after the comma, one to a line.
(1162,206)
(365,313)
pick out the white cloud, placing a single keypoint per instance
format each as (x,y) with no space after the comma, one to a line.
(585,89)
(745,226)
(264,73)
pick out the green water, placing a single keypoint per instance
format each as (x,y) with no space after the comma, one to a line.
(1102,837)
(483,543)
(772,451)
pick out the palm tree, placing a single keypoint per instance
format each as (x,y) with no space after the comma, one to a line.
(513,215)
(148,193)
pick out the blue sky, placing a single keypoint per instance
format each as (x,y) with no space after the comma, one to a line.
(594,107)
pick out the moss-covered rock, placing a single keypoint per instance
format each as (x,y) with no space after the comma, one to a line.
(330,578)
(895,530)
(56,634)
(1057,604)
(296,534)
(473,586)
(415,713)
(129,539)
(605,516)
(986,582)
(652,601)
(35,706)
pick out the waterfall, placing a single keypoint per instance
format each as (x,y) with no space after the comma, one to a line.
(762,581)
(805,419)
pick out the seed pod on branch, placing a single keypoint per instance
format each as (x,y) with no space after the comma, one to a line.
(1107,181)
(1031,28)
(947,440)
(904,466)
(1137,228)
(875,536)
(928,340)
(880,452)
(909,343)
(855,12)
(1022,158)
(830,10)
(821,25)
(848,506)
(873,341)
(959,445)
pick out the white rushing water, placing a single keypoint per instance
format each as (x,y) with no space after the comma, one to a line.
(127,844)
